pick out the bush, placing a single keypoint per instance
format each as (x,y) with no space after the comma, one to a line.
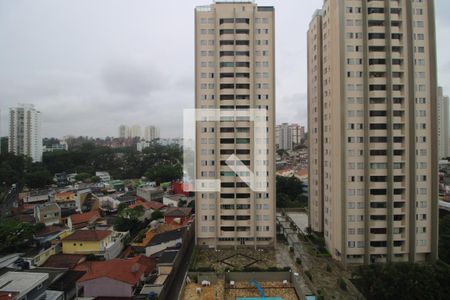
(329,268)
(308,274)
(342,284)
(291,249)
(298,261)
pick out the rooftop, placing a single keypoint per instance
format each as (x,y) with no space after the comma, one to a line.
(88,217)
(124,270)
(64,261)
(166,237)
(21,282)
(154,205)
(88,235)
(178,212)
(168,257)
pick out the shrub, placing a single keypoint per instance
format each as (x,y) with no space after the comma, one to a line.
(308,274)
(342,284)
(329,268)
(298,261)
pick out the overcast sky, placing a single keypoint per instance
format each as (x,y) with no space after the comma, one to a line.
(91,65)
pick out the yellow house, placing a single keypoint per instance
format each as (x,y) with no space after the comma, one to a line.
(87,242)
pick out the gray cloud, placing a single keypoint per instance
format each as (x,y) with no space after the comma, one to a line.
(132,79)
(92,65)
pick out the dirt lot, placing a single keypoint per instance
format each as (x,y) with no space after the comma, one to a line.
(213,292)
(271,289)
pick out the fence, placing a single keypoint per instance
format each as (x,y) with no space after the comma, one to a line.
(187,238)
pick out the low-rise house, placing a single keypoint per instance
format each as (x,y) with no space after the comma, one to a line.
(47,213)
(149,207)
(104,176)
(156,228)
(38,196)
(64,261)
(177,215)
(115,278)
(36,257)
(150,193)
(67,284)
(87,241)
(66,199)
(104,243)
(78,221)
(24,285)
(162,241)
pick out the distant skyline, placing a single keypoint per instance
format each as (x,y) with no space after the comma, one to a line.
(90,66)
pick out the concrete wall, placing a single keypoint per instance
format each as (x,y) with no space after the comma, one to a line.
(157,248)
(106,287)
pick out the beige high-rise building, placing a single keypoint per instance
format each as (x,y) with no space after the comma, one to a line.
(151,133)
(234,63)
(443,130)
(372,130)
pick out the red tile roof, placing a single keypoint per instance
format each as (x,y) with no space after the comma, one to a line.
(88,217)
(64,261)
(88,235)
(178,212)
(154,205)
(124,270)
(50,230)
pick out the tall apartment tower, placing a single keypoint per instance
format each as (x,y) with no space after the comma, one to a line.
(25,132)
(235,72)
(151,133)
(284,136)
(372,130)
(123,131)
(443,134)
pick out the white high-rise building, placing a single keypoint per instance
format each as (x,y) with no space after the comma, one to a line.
(151,133)
(135,131)
(284,136)
(25,132)
(443,131)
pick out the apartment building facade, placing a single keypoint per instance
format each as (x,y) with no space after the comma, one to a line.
(372,123)
(25,136)
(151,133)
(234,66)
(443,131)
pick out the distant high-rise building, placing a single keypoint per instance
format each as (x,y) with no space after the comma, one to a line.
(298,133)
(151,133)
(123,131)
(443,135)
(25,132)
(289,135)
(284,136)
(135,131)
(235,63)
(372,94)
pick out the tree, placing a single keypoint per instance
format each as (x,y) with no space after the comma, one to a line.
(82,176)
(95,179)
(290,192)
(156,215)
(403,281)
(444,239)
(132,213)
(164,173)
(15,234)
(38,178)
